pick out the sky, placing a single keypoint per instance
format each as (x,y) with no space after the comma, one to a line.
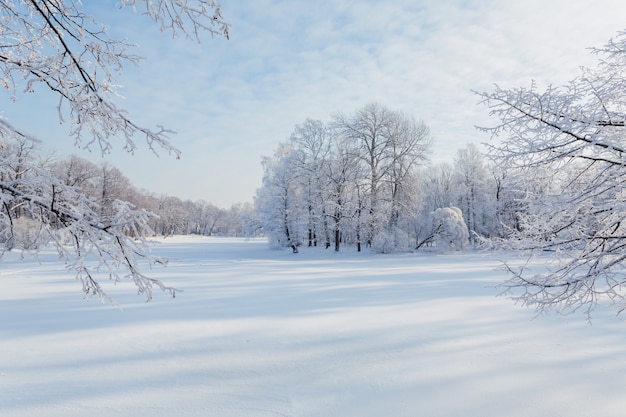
(233,101)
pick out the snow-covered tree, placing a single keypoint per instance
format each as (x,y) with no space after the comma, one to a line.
(278,200)
(575,134)
(311,141)
(77,172)
(66,217)
(55,45)
(172,216)
(449,229)
(205,218)
(390,145)
(341,172)
(111,185)
(348,181)
(239,220)
(475,191)
(436,186)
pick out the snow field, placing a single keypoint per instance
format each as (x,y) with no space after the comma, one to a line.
(257,332)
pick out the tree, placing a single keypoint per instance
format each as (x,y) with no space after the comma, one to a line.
(277,201)
(77,172)
(409,145)
(172,213)
(475,192)
(239,220)
(205,218)
(68,218)
(449,229)
(55,45)
(311,142)
(435,189)
(574,133)
(390,145)
(437,186)
(111,186)
(340,173)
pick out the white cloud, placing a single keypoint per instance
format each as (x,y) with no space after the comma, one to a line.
(232,101)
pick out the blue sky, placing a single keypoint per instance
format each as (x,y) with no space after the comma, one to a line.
(231,101)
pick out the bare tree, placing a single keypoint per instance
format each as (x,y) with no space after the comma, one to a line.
(575,134)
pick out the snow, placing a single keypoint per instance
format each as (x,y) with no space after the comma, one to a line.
(450,228)
(260,332)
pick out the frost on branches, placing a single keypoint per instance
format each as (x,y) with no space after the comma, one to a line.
(54,45)
(571,140)
(449,229)
(347,182)
(38,208)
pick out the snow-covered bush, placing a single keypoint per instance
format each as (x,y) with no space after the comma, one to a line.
(383,242)
(450,230)
(27,234)
(390,240)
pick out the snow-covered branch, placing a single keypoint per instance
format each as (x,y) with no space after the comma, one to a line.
(575,135)
(56,45)
(65,217)
(59,46)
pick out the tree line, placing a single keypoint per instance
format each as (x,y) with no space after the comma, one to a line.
(364,180)
(104,188)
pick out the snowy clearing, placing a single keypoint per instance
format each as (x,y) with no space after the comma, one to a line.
(257,332)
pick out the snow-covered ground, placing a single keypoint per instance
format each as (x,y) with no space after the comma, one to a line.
(258,332)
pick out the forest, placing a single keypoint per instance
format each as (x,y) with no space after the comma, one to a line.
(364,180)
